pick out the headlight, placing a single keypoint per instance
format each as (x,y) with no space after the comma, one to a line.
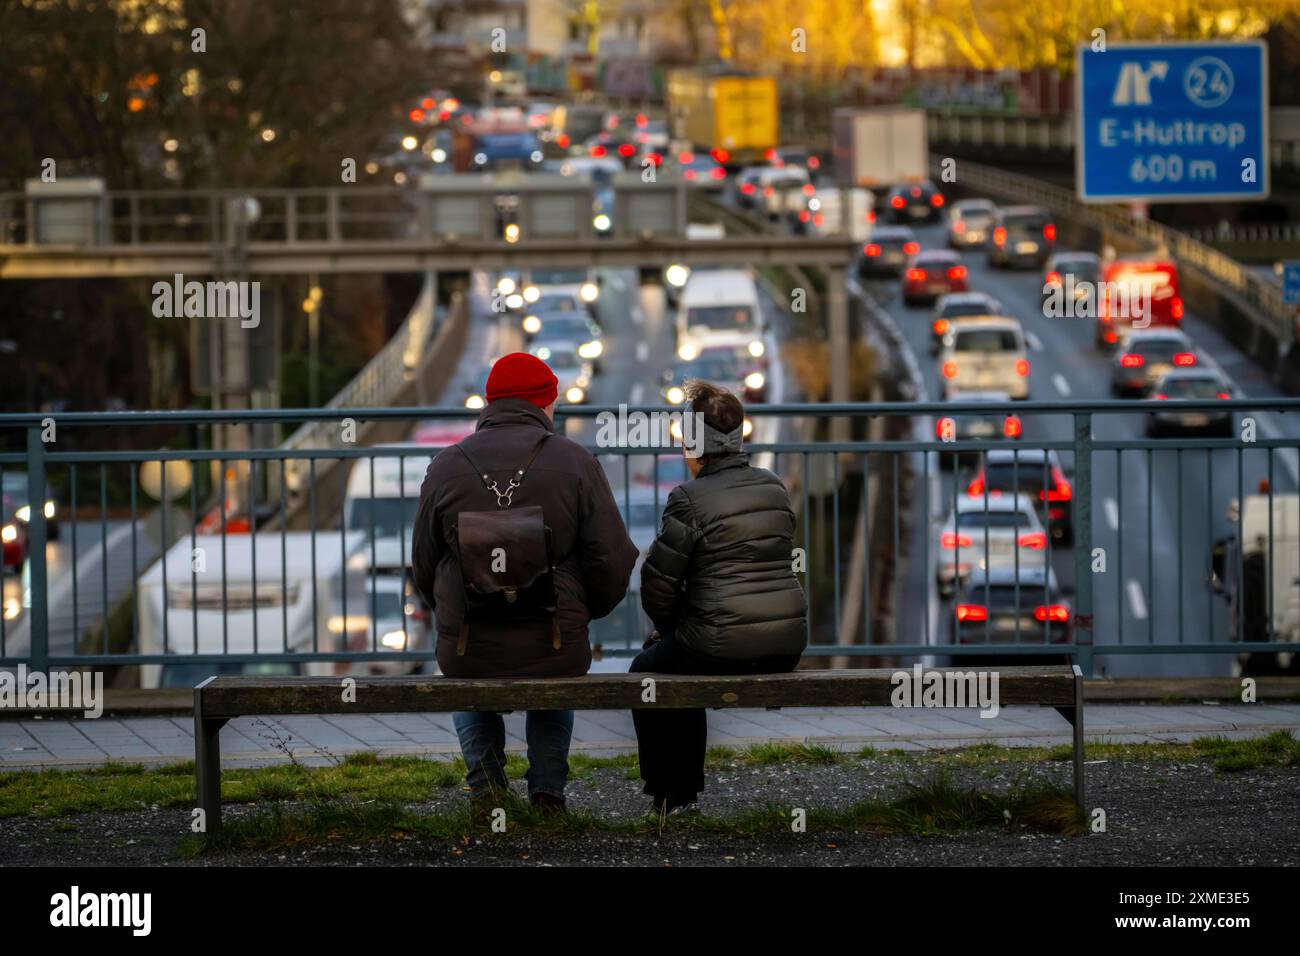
(480,159)
(8,534)
(582,381)
(535,155)
(591,350)
(601,223)
(574,395)
(512,232)
(532,293)
(675,429)
(532,324)
(589,292)
(49,510)
(338,624)
(675,395)
(757,348)
(394,640)
(506,285)
(755,380)
(543,353)
(515,301)
(747,428)
(677,275)
(24,514)
(687,352)
(475,402)
(439,155)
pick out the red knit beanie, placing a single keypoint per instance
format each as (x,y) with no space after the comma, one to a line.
(521,375)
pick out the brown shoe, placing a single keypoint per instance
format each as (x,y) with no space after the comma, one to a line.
(548,802)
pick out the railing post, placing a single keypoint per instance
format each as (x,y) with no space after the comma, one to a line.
(39,617)
(1082,500)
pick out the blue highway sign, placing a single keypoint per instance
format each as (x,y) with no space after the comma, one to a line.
(1291,283)
(1168,122)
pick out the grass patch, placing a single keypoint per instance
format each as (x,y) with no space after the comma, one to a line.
(767,754)
(1278,749)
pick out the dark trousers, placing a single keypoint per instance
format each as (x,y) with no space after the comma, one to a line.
(672,741)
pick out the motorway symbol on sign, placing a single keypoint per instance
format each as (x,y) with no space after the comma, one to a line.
(1291,283)
(1170,122)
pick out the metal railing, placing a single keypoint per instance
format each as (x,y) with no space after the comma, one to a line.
(1132,549)
(1263,298)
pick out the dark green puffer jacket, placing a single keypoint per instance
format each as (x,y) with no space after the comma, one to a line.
(719,575)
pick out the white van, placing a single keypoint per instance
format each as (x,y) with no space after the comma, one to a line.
(389,507)
(720,307)
(213,599)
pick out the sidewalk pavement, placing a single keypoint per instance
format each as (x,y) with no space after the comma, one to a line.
(67,743)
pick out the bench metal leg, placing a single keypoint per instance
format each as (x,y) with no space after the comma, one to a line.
(1075,716)
(207,768)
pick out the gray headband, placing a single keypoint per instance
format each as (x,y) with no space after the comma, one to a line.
(716,442)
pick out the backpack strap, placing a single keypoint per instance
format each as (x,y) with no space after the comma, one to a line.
(505,495)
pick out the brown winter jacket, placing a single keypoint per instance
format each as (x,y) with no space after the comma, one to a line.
(593,553)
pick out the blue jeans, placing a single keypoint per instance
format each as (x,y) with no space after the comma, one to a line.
(483,743)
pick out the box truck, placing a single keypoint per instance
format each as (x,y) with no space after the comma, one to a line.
(733,116)
(879,148)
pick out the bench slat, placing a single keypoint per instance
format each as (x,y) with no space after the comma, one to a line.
(1051,686)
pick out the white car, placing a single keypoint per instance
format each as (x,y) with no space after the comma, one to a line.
(985,355)
(720,307)
(1000,533)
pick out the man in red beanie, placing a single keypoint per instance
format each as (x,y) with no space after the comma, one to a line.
(518,544)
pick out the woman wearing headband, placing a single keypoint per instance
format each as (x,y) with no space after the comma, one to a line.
(719,585)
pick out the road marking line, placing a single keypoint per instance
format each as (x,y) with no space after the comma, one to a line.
(1034,342)
(637,393)
(638,315)
(1137,601)
(1061,384)
(642,351)
(1112,513)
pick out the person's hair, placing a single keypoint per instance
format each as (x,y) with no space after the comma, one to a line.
(721,409)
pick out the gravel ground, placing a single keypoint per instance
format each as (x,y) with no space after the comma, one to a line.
(1178,813)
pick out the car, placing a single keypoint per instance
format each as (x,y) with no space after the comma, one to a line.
(13,485)
(1022,236)
(1137,293)
(720,307)
(745,186)
(933,273)
(801,156)
(572,329)
(574,281)
(783,190)
(975,425)
(1149,354)
(913,202)
(13,535)
(985,354)
(701,171)
(571,369)
(960,305)
(885,256)
(1008,605)
(393,614)
(549,302)
(992,533)
(732,367)
(970,223)
(1198,384)
(1032,472)
(1076,277)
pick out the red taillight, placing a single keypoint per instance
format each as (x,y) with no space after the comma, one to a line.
(1176,309)
(805,216)
(1052,278)
(940,326)
(1049,232)
(950,539)
(747,189)
(1052,612)
(944,428)
(809,189)
(911,248)
(818,219)
(770,155)
(1061,491)
(898,202)
(871,249)
(562,141)
(690,174)
(976,487)
(1035,540)
(655,158)
(916,191)
(959,226)
(717,172)
(1184,359)
(936,200)
(871,215)
(768,191)
(814,162)
(1011,427)
(1225,395)
(999,236)
(972,612)
(1131,360)
(597,150)
(1022,367)
(626,149)
(1162,397)
(1111,337)
(641,119)
(957,272)
(915,275)
(949,369)
(417,116)
(685,158)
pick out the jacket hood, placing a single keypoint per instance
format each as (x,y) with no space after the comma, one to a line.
(735,460)
(512,411)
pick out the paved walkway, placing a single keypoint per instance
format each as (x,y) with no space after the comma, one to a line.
(252,741)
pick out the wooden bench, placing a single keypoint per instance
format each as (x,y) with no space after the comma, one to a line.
(219,699)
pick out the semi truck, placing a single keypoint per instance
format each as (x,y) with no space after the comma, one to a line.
(733,116)
(879,148)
